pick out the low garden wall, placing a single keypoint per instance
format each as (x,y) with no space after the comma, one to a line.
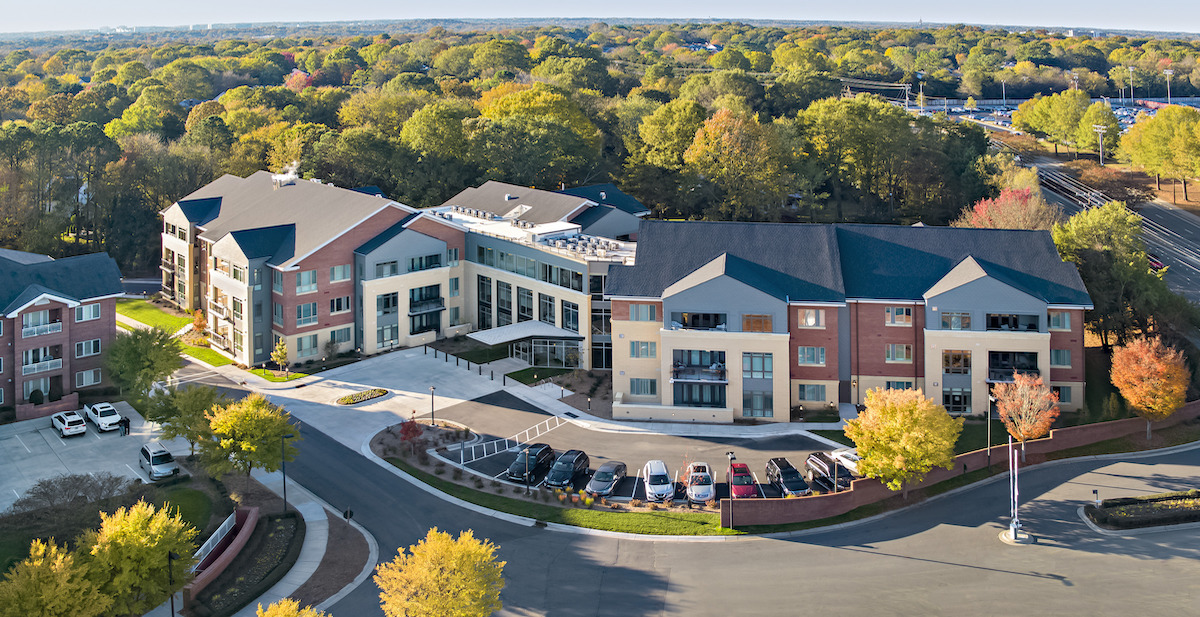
(247,519)
(864,491)
(28,411)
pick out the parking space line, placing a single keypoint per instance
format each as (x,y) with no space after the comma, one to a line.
(23,444)
(758,485)
(136,473)
(497,476)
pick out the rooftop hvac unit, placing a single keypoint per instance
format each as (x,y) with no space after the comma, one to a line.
(601,253)
(559,243)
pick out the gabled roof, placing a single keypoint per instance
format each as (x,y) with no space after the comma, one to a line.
(385,235)
(73,279)
(277,242)
(590,216)
(608,194)
(519,202)
(22,257)
(736,268)
(318,213)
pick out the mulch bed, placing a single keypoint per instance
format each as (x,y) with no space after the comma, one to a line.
(263,554)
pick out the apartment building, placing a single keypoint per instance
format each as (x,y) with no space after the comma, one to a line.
(845,308)
(59,316)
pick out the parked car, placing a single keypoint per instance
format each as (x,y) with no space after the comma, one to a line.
(785,477)
(68,423)
(848,458)
(103,415)
(741,483)
(606,478)
(1155,263)
(822,468)
(659,486)
(157,461)
(699,482)
(530,461)
(570,464)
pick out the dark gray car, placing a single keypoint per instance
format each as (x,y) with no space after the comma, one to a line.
(606,478)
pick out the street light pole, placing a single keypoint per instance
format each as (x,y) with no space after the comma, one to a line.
(283,465)
(1003,94)
(1100,130)
(432,419)
(729,481)
(171,557)
(526,454)
(1131,101)
(1168,73)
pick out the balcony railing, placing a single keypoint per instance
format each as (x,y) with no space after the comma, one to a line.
(699,373)
(426,306)
(49,328)
(167,265)
(1005,375)
(218,309)
(46,365)
(218,340)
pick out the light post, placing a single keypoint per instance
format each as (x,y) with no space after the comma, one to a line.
(1075,79)
(1100,130)
(1168,73)
(171,557)
(432,419)
(1131,101)
(525,453)
(1003,94)
(283,465)
(729,481)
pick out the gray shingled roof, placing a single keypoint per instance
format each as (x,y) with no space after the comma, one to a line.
(499,199)
(320,212)
(77,278)
(608,194)
(834,262)
(385,235)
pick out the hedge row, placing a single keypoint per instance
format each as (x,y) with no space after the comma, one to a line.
(359,397)
(1109,514)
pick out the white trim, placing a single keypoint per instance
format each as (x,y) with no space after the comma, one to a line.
(874,301)
(390,204)
(627,298)
(116,295)
(1084,307)
(802,303)
(425,214)
(67,301)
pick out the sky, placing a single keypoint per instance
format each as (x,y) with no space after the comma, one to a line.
(40,15)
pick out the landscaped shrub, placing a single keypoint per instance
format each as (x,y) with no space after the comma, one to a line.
(358,397)
(636,503)
(1147,511)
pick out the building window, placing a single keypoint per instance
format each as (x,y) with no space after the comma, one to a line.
(546,309)
(306,346)
(639,386)
(956,400)
(340,305)
(84,349)
(87,312)
(84,379)
(504,306)
(385,304)
(898,315)
(306,314)
(425,322)
(1060,320)
(424,262)
(238,340)
(810,318)
(341,335)
(453,287)
(956,321)
(570,316)
(601,320)
(306,282)
(699,395)
(485,255)
(898,385)
(485,302)
(339,273)
(454,316)
(956,362)
(758,404)
(643,312)
(561,277)
(238,273)
(524,305)
(1060,357)
(239,309)
(277,314)
(387,336)
(596,286)
(899,352)
(451,257)
(810,356)
(601,355)
(1063,392)
(258,314)
(386,268)
(756,323)
(258,344)
(257,278)
(643,349)
(756,366)
(276,281)
(811,392)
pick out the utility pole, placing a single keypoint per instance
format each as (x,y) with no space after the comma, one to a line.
(1168,73)
(1003,94)
(1131,101)
(1100,130)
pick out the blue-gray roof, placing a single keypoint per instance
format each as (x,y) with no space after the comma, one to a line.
(384,236)
(278,242)
(830,263)
(76,278)
(608,194)
(201,211)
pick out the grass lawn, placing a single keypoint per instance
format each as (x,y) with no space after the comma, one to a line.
(125,326)
(484,354)
(204,354)
(151,315)
(837,436)
(195,506)
(1162,438)
(532,375)
(271,375)
(650,523)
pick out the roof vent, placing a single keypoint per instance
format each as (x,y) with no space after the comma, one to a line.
(603,195)
(288,176)
(509,197)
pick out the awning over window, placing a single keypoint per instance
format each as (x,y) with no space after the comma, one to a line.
(522,330)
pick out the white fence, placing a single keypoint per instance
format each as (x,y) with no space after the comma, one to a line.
(215,539)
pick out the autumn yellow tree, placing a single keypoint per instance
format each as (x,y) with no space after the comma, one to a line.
(249,433)
(1152,377)
(902,435)
(1026,406)
(441,576)
(287,607)
(50,583)
(127,557)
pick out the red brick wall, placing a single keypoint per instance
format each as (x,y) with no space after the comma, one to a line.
(14,347)
(870,335)
(813,337)
(1072,340)
(454,238)
(620,309)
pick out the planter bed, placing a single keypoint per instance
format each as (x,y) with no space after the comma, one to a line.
(360,397)
(1146,511)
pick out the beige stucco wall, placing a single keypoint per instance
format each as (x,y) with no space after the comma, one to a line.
(401,284)
(666,413)
(979,343)
(625,368)
(831,392)
(734,344)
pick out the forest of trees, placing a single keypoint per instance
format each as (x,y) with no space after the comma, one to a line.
(724,121)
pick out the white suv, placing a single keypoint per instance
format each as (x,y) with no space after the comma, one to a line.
(659,486)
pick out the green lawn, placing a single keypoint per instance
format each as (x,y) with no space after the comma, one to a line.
(204,354)
(124,326)
(650,523)
(150,314)
(532,375)
(270,375)
(837,436)
(195,506)
(483,355)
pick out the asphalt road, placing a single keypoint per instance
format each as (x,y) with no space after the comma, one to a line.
(938,558)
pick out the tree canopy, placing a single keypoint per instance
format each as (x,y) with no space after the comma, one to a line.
(1152,377)
(442,575)
(248,434)
(902,435)
(139,358)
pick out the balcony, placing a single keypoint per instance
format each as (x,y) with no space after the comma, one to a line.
(218,309)
(1012,323)
(705,374)
(218,340)
(1005,375)
(49,328)
(167,265)
(40,367)
(417,307)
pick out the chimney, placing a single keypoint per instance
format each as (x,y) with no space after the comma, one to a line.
(603,195)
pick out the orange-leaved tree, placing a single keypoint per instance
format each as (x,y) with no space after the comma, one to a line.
(1027,407)
(1152,377)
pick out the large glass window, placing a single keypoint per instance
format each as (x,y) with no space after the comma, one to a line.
(642,349)
(811,392)
(699,394)
(524,304)
(810,356)
(898,315)
(277,281)
(1060,357)
(570,316)
(956,362)
(601,355)
(639,386)
(1063,392)
(385,304)
(956,400)
(1060,320)
(306,346)
(306,282)
(956,321)
(601,320)
(387,336)
(306,314)
(484,296)
(425,262)
(898,352)
(84,349)
(546,309)
(504,305)
(757,404)
(810,318)
(87,312)
(386,268)
(899,385)
(596,286)
(425,322)
(643,312)
(454,287)
(756,366)
(340,305)
(339,273)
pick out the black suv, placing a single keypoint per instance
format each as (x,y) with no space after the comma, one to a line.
(822,469)
(570,465)
(531,460)
(786,478)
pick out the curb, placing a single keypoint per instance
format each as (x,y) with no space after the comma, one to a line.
(1133,532)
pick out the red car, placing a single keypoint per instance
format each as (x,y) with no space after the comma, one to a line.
(741,483)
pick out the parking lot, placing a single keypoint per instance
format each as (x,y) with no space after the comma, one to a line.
(31,451)
(496,415)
